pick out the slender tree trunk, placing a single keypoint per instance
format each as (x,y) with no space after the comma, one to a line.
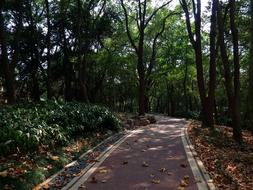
(232,88)
(141,72)
(212,66)
(225,60)
(236,100)
(66,64)
(250,95)
(83,94)
(185,86)
(35,57)
(49,72)
(7,67)
(206,100)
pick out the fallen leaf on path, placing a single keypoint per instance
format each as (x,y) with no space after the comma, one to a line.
(93,180)
(125,162)
(83,186)
(145,164)
(183,165)
(186,177)
(169,173)
(152,175)
(162,170)
(183,183)
(156,181)
(103,171)
(104,181)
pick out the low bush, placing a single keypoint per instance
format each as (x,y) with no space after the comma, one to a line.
(26,127)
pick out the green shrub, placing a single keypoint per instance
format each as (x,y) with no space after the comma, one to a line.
(28,126)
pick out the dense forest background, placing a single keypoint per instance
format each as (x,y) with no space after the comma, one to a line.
(132,56)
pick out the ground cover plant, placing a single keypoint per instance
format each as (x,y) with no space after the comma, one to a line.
(39,139)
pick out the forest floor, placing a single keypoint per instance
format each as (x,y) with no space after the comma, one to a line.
(230,165)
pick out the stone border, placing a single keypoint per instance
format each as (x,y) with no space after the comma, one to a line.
(203,180)
(91,168)
(40,186)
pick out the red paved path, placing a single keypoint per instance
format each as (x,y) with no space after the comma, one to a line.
(160,146)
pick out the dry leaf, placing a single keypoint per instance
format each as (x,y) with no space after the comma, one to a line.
(4,173)
(162,170)
(183,183)
(169,173)
(104,181)
(55,158)
(93,180)
(186,177)
(125,162)
(145,164)
(156,181)
(103,171)
(183,165)
(83,186)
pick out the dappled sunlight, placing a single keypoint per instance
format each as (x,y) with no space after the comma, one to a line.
(146,152)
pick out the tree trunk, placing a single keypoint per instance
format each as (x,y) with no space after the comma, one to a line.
(82,78)
(49,29)
(250,95)
(185,87)
(236,100)
(206,100)
(142,88)
(141,72)
(7,67)
(66,64)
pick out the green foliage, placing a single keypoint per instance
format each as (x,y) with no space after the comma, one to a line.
(26,127)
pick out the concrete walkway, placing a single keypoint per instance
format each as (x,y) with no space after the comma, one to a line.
(152,158)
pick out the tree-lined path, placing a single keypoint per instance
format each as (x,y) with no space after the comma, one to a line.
(151,158)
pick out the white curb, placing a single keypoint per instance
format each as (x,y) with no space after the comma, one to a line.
(203,180)
(91,168)
(40,186)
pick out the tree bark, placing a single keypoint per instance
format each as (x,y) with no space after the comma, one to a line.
(250,90)
(82,78)
(66,64)
(49,72)
(232,87)
(7,67)
(236,101)
(206,99)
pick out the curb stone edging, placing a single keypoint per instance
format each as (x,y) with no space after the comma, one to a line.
(52,177)
(91,168)
(201,176)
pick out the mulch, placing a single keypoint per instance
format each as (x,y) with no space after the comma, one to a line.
(229,164)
